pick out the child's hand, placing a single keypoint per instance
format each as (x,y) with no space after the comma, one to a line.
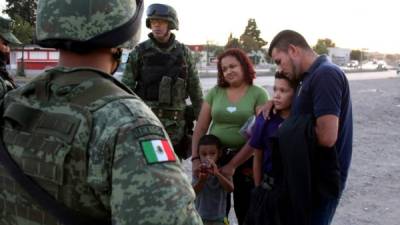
(203,176)
(213,169)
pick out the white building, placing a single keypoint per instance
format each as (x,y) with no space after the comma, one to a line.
(339,56)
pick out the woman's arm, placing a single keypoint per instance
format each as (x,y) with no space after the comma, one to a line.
(226,183)
(242,156)
(203,122)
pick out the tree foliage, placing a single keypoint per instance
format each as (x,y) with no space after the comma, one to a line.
(26,9)
(213,49)
(233,42)
(355,55)
(322,46)
(23,30)
(22,12)
(250,40)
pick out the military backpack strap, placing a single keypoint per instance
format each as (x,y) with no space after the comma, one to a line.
(102,86)
(41,196)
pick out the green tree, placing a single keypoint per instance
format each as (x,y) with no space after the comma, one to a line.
(214,50)
(23,30)
(22,12)
(250,39)
(322,46)
(23,8)
(232,42)
(355,55)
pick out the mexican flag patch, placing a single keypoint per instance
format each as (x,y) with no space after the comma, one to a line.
(157,151)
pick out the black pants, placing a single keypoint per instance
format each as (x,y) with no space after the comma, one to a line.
(243,184)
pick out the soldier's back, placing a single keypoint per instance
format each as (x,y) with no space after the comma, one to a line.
(88,153)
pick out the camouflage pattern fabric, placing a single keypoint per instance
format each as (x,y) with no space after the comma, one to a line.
(5,31)
(175,128)
(81,20)
(118,183)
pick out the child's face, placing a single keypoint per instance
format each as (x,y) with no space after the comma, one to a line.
(208,153)
(283,94)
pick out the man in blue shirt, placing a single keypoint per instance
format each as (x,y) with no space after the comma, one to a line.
(323,92)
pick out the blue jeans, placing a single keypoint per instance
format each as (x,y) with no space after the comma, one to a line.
(323,214)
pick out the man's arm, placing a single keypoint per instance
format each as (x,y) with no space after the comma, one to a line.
(129,78)
(194,86)
(327,128)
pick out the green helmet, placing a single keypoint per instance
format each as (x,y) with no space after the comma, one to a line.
(5,31)
(85,25)
(163,12)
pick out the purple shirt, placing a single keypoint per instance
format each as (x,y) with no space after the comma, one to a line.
(262,133)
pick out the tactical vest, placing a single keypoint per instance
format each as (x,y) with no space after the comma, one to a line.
(162,75)
(6,85)
(48,137)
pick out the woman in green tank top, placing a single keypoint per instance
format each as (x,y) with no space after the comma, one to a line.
(226,108)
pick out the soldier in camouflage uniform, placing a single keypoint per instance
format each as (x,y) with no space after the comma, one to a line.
(95,150)
(162,72)
(6,38)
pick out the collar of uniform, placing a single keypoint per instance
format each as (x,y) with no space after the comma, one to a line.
(166,45)
(318,61)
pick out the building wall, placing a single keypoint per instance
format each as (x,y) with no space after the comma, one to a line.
(339,56)
(34,57)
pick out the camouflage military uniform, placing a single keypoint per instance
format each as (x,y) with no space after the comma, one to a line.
(6,37)
(93,148)
(171,112)
(117,180)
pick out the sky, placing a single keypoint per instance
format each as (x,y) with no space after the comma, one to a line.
(354,24)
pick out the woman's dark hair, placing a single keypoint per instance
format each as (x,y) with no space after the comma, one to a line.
(248,68)
(292,83)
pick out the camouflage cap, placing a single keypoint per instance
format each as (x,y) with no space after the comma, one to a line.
(5,31)
(89,23)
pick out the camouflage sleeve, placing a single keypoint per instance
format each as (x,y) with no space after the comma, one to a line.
(3,88)
(194,85)
(145,191)
(131,70)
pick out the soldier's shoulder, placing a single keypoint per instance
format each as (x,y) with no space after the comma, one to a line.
(125,110)
(3,87)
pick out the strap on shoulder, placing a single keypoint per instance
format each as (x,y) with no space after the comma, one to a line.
(103,85)
(57,209)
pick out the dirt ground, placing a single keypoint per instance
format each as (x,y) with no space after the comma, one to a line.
(372,195)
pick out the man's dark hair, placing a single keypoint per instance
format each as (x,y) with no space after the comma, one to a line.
(210,139)
(284,38)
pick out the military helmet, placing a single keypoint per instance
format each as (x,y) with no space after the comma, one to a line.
(163,12)
(82,26)
(5,31)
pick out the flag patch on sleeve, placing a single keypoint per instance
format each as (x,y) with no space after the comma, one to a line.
(157,151)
